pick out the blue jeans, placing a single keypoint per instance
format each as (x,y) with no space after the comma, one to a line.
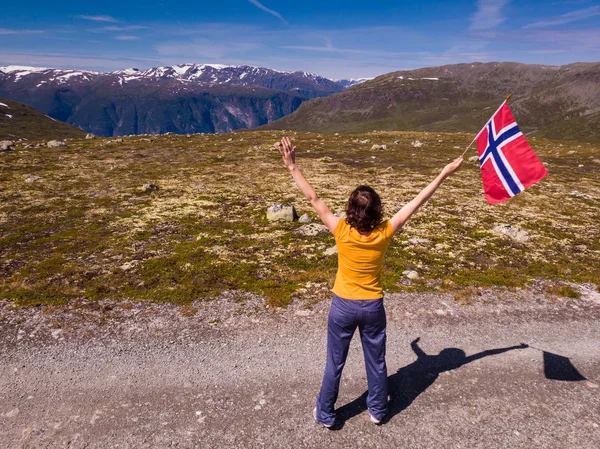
(344,317)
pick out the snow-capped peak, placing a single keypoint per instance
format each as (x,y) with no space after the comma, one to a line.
(21,68)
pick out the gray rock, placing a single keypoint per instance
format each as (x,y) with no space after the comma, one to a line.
(305,218)
(473,159)
(312,229)
(417,144)
(56,144)
(379,147)
(585,196)
(31,178)
(411,274)
(514,232)
(6,145)
(396,142)
(331,251)
(279,211)
(149,187)
(417,241)
(90,136)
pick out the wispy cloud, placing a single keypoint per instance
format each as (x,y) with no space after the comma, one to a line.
(124,28)
(126,38)
(270,11)
(65,60)
(98,18)
(330,48)
(573,16)
(204,48)
(12,31)
(488,15)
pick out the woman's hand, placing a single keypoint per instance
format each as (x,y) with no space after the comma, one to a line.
(288,152)
(452,166)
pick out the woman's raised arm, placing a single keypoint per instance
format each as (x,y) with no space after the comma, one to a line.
(288,154)
(409,209)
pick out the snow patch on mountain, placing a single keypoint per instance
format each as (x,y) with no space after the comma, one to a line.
(351,82)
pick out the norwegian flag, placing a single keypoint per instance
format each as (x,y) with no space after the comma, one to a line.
(508,164)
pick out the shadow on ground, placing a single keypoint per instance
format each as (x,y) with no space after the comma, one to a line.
(410,381)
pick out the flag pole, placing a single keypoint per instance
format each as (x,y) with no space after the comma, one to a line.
(467,149)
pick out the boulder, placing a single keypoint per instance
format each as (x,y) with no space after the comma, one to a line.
(331,251)
(56,144)
(6,145)
(411,274)
(279,211)
(312,229)
(305,218)
(90,136)
(379,147)
(31,178)
(417,144)
(514,232)
(149,187)
(473,159)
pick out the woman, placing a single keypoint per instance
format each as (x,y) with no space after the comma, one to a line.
(362,240)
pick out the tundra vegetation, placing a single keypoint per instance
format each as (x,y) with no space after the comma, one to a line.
(75,222)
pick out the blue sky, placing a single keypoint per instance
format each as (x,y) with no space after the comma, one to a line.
(337,39)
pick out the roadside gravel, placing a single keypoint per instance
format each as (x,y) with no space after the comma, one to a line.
(231,373)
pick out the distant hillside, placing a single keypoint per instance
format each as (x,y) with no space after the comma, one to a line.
(559,102)
(19,121)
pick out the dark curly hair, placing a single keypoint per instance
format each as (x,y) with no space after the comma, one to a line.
(364,211)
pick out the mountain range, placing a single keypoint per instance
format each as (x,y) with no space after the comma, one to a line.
(185,98)
(560,102)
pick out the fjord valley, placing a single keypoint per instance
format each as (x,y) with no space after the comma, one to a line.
(186,98)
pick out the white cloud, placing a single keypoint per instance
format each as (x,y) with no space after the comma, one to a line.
(270,11)
(488,15)
(573,16)
(98,18)
(12,31)
(126,38)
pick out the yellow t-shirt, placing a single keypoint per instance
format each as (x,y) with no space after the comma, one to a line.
(359,260)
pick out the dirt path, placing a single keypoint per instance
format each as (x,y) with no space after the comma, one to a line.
(250,380)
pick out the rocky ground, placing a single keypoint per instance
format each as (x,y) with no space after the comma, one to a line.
(144,375)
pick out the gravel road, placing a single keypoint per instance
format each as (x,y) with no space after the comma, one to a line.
(147,376)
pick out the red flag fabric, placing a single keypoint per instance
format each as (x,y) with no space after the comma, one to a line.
(508,164)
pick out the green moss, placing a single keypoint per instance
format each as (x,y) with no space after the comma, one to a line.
(564,290)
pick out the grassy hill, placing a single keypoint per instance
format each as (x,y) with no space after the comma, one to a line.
(21,122)
(557,102)
(75,222)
